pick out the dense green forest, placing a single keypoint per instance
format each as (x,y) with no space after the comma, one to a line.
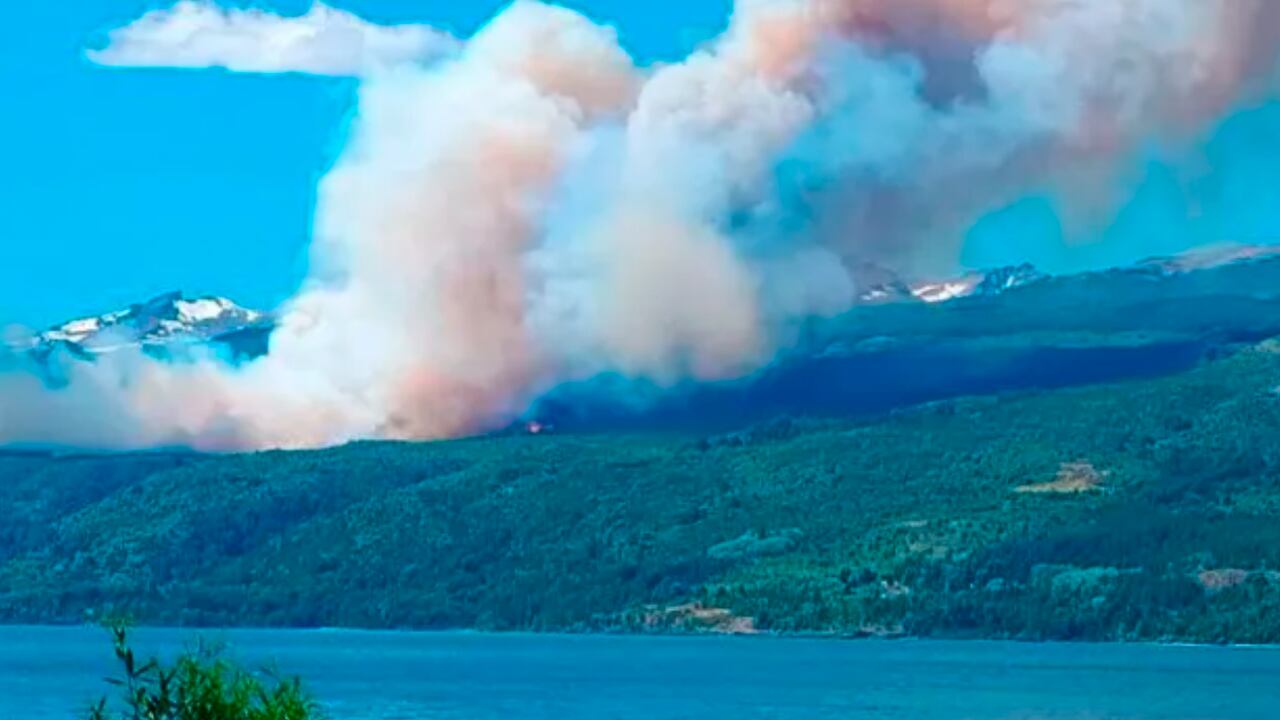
(1142,510)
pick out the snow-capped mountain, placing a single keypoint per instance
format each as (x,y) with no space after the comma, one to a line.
(172,319)
(878,284)
(939,291)
(1207,258)
(165,320)
(983,282)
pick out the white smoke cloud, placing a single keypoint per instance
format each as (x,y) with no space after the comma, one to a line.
(324,41)
(535,209)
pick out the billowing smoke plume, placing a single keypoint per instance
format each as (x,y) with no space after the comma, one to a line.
(536,209)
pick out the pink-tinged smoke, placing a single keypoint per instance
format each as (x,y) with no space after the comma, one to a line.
(537,209)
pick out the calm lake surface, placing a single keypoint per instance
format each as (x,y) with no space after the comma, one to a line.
(48,673)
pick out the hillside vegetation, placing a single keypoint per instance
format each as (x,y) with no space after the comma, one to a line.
(1142,510)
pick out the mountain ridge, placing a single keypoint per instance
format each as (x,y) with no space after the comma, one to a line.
(172,318)
(169,318)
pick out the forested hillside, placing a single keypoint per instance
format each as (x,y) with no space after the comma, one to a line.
(1143,510)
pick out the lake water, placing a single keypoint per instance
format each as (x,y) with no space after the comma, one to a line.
(48,673)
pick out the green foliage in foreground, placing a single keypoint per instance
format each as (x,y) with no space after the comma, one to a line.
(197,686)
(939,521)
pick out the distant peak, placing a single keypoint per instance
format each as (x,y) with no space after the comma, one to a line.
(978,282)
(166,318)
(1210,256)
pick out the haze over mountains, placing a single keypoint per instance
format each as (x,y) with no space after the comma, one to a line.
(1005,330)
(173,319)
(906,342)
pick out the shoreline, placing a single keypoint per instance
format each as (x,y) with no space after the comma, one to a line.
(197,630)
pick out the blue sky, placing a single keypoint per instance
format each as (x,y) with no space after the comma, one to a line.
(118,184)
(1227,190)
